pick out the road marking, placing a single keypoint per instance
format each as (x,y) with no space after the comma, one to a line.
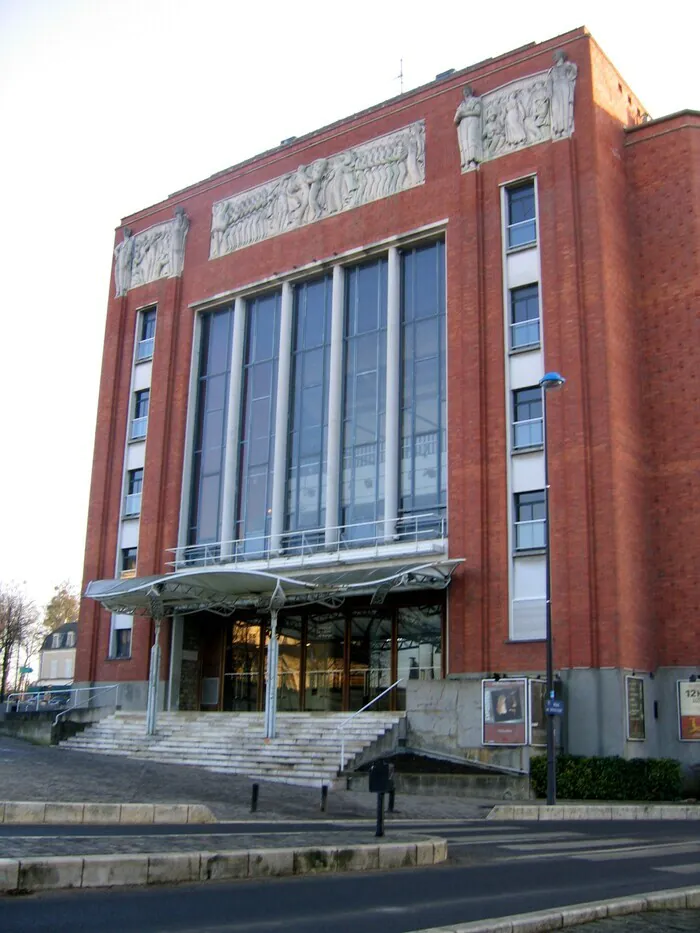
(577,844)
(670,848)
(688,869)
(475,840)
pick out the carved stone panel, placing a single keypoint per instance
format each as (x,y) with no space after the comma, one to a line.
(155,253)
(374,170)
(531,110)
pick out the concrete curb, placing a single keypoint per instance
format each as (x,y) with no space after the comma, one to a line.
(543,920)
(13,811)
(24,875)
(651,811)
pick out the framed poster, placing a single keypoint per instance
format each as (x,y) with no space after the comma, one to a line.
(689,710)
(504,711)
(538,720)
(634,701)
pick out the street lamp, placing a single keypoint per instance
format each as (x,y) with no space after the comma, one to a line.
(548,382)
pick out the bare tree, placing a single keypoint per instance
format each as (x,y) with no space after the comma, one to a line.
(18,616)
(63,606)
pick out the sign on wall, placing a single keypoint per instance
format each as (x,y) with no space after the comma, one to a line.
(689,710)
(634,696)
(504,711)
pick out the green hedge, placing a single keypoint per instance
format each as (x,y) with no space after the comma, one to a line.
(609,778)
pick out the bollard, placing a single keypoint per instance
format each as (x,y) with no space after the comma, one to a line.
(392,797)
(380,815)
(254,798)
(324,798)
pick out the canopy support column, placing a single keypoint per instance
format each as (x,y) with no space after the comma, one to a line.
(276,603)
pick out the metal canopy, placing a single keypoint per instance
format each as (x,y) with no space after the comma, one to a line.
(221,589)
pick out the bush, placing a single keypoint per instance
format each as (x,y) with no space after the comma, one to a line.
(612,778)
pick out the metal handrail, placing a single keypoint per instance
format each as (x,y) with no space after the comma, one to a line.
(19,696)
(344,723)
(89,689)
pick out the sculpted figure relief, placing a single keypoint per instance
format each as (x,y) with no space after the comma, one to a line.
(181,225)
(155,253)
(562,79)
(327,186)
(123,254)
(469,131)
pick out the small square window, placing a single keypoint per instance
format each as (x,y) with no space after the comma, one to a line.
(527,418)
(522,223)
(530,524)
(524,317)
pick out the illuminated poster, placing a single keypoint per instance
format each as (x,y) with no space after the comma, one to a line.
(504,711)
(636,726)
(689,710)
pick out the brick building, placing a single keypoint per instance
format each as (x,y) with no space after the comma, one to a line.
(320,393)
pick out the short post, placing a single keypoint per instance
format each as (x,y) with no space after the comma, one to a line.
(254,798)
(380,815)
(324,797)
(392,798)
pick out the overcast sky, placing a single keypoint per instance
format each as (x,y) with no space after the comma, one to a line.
(107,106)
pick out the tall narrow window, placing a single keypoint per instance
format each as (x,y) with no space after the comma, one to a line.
(258,424)
(364,407)
(146,335)
(423,392)
(525,317)
(530,531)
(527,418)
(210,427)
(308,421)
(139,421)
(134,486)
(522,223)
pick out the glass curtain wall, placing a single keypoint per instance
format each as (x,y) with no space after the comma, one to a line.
(364,407)
(308,415)
(423,388)
(370,657)
(210,427)
(418,647)
(258,424)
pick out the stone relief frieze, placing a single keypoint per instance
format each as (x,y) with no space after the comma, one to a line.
(155,253)
(530,110)
(365,173)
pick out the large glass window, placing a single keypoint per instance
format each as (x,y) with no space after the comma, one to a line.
(364,407)
(530,530)
(210,427)
(423,393)
(525,317)
(370,657)
(258,424)
(308,415)
(527,418)
(522,224)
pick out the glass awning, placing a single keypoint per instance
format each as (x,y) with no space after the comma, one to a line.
(222,589)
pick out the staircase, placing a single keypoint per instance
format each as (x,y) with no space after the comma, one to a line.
(306,750)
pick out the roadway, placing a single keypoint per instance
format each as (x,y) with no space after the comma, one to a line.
(495,869)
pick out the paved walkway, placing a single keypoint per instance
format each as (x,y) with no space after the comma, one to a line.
(661,921)
(32,772)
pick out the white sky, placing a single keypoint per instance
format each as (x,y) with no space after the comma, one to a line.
(107,106)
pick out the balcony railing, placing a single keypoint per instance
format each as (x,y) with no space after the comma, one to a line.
(525,334)
(527,433)
(144,349)
(522,233)
(405,533)
(132,504)
(530,535)
(139,427)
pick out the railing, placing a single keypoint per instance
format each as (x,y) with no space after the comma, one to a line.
(28,702)
(409,529)
(527,433)
(139,426)
(522,232)
(530,535)
(132,504)
(144,349)
(525,334)
(344,723)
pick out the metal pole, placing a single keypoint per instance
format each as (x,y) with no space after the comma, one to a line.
(271,695)
(152,705)
(551,750)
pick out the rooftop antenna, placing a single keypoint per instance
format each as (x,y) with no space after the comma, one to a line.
(399,76)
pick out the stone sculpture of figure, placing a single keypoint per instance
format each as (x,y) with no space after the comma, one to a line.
(123,255)
(315,176)
(515,120)
(415,157)
(178,233)
(562,78)
(494,137)
(468,123)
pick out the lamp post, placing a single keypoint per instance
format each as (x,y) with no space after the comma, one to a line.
(548,382)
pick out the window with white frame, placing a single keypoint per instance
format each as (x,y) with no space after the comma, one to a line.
(53,669)
(127,561)
(134,485)
(120,638)
(70,639)
(525,317)
(146,334)
(56,640)
(527,418)
(530,530)
(522,222)
(68,668)
(139,421)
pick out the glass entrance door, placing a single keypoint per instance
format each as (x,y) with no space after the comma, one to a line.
(242,671)
(325,662)
(370,658)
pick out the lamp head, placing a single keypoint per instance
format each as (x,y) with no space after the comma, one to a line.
(551,381)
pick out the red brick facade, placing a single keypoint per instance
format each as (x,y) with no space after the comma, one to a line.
(619,233)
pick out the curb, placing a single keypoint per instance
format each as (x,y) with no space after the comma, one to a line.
(594,812)
(543,920)
(25,875)
(13,811)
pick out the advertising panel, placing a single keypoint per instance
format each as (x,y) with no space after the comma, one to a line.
(504,711)
(689,710)
(634,694)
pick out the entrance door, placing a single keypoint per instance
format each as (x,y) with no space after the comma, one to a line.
(325,662)
(242,677)
(370,671)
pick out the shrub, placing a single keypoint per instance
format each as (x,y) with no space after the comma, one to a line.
(611,778)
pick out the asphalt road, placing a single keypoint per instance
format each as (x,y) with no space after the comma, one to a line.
(495,869)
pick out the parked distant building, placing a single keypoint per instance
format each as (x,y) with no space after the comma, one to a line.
(321,385)
(57,657)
